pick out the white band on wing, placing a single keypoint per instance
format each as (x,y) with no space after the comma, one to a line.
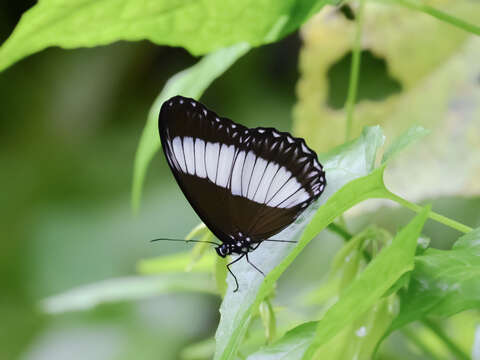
(243,173)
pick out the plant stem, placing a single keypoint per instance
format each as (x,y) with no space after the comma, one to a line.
(440,15)
(354,70)
(437,330)
(414,339)
(342,232)
(339,230)
(432,215)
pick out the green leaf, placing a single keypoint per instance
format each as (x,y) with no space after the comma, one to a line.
(126,289)
(357,341)
(179,262)
(412,134)
(291,346)
(191,82)
(199,26)
(443,283)
(199,351)
(201,247)
(220,272)
(348,183)
(384,270)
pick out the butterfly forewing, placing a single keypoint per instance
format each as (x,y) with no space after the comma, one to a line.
(256,181)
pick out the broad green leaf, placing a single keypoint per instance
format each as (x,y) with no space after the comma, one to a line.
(411,135)
(179,262)
(199,26)
(291,346)
(126,289)
(384,270)
(348,183)
(191,82)
(436,90)
(359,338)
(443,283)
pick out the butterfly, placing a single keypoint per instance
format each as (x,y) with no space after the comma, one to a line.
(246,185)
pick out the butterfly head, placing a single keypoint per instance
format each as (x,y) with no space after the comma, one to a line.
(238,244)
(223,250)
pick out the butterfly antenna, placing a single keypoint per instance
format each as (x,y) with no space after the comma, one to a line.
(283,241)
(186,241)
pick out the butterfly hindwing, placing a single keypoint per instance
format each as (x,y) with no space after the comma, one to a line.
(256,181)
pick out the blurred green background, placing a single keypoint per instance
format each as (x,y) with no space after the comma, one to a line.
(70,124)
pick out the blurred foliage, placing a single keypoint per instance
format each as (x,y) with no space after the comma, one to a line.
(71,122)
(415,83)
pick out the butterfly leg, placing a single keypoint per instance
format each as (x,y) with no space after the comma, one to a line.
(256,268)
(257,245)
(230,271)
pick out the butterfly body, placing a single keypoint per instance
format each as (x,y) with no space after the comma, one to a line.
(245,184)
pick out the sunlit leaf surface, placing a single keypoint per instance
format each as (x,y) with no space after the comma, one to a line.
(200,26)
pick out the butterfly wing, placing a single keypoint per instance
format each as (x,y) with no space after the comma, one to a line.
(284,177)
(256,181)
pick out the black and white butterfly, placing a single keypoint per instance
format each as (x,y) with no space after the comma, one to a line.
(245,184)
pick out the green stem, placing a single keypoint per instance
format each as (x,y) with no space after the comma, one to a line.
(440,15)
(354,70)
(267,315)
(339,230)
(454,349)
(342,232)
(433,215)
(414,339)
